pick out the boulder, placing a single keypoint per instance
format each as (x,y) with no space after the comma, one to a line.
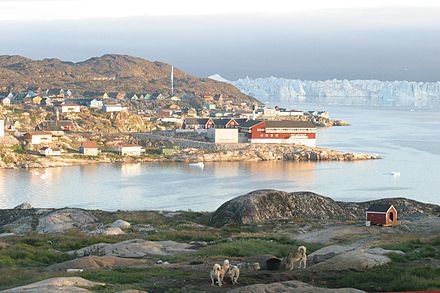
(290,287)
(328,252)
(356,260)
(65,219)
(96,262)
(264,205)
(24,206)
(69,284)
(121,224)
(135,248)
(107,232)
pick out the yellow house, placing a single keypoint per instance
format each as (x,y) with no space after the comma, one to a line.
(105,96)
(36,100)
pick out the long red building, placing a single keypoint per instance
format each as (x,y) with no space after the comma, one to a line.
(295,132)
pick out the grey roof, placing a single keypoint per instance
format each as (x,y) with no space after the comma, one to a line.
(221,122)
(196,121)
(250,123)
(289,124)
(381,208)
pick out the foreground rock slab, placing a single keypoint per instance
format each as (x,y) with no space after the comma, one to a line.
(135,248)
(65,219)
(69,284)
(290,287)
(97,262)
(349,257)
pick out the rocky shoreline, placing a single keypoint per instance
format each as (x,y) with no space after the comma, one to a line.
(225,153)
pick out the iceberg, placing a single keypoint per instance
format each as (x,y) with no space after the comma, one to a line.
(398,94)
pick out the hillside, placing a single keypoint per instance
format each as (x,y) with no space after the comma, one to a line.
(108,73)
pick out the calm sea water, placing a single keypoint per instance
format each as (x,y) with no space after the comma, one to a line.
(409,143)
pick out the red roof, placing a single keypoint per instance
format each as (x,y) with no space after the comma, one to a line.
(89,145)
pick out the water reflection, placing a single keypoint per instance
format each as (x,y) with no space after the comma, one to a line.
(412,150)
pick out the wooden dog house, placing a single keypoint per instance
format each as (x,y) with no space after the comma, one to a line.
(382,214)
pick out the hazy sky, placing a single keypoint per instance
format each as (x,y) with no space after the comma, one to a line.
(310,39)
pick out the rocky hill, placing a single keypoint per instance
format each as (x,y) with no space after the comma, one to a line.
(265,205)
(108,73)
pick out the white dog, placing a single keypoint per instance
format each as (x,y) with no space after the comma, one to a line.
(218,272)
(300,256)
(234,273)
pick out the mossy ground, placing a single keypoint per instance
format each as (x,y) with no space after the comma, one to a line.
(25,258)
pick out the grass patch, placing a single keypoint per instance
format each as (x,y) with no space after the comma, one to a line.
(245,248)
(154,280)
(393,278)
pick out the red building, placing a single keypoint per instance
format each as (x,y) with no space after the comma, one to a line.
(198,123)
(294,132)
(382,214)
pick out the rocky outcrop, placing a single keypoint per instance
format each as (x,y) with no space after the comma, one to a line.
(135,248)
(24,206)
(68,284)
(265,205)
(269,152)
(65,219)
(97,262)
(355,257)
(107,232)
(290,287)
(121,224)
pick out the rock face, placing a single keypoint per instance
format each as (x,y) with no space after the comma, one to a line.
(135,248)
(349,257)
(65,219)
(356,260)
(23,206)
(96,262)
(121,224)
(290,287)
(70,284)
(264,205)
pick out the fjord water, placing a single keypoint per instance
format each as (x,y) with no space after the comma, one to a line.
(409,143)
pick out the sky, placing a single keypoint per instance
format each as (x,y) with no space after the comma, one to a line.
(313,39)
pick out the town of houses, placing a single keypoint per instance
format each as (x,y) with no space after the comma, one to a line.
(219,120)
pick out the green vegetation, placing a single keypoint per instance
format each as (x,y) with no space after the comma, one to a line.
(418,269)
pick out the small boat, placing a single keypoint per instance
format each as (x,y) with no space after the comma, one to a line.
(199,165)
(393,174)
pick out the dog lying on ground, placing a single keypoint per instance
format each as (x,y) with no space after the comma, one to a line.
(218,272)
(249,266)
(234,273)
(300,256)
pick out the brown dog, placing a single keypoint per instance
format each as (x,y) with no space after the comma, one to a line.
(300,256)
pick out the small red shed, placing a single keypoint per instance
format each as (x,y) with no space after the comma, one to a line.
(382,214)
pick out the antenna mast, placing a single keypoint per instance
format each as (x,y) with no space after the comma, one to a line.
(172,80)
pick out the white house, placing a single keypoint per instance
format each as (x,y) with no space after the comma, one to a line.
(47,151)
(69,108)
(89,148)
(113,108)
(130,150)
(6,101)
(223,135)
(38,137)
